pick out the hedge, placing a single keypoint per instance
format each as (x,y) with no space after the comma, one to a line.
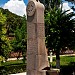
(12,69)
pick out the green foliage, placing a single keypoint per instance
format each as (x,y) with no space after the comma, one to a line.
(3,72)
(19,43)
(50,4)
(2,58)
(2,18)
(6,48)
(14,27)
(60,29)
(20,36)
(4,40)
(12,67)
(12,21)
(2,26)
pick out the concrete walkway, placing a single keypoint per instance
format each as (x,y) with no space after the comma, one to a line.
(24,73)
(9,59)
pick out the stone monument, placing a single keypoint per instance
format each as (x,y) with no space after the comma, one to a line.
(36,53)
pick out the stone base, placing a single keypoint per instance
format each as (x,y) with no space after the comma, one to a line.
(53,72)
(34,72)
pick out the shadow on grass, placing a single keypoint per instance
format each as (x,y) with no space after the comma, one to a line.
(67,70)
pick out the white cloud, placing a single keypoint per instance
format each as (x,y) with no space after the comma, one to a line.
(66,7)
(16,6)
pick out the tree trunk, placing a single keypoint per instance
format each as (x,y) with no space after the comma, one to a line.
(58,59)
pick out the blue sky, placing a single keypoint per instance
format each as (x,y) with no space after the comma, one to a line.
(15,6)
(19,6)
(2,2)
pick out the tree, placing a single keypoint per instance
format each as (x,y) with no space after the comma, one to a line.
(57,25)
(12,21)
(20,41)
(16,29)
(4,40)
(60,30)
(50,3)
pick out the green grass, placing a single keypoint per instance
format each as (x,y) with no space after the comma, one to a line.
(64,60)
(17,66)
(13,62)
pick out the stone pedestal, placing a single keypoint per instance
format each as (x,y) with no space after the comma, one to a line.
(53,72)
(36,53)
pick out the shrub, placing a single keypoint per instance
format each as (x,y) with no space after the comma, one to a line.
(12,69)
(3,71)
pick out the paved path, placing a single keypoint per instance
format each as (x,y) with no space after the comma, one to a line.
(24,73)
(48,56)
(64,55)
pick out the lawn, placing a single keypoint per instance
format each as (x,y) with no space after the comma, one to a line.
(17,66)
(66,65)
(12,62)
(64,60)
